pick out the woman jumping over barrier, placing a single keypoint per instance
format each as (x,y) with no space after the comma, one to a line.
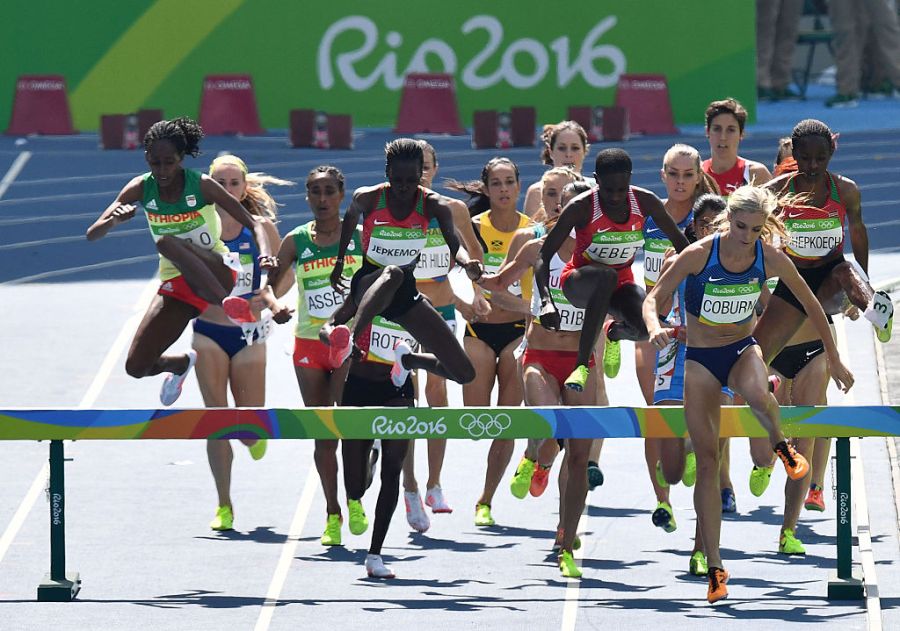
(195,267)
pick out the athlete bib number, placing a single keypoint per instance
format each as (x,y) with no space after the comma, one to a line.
(390,245)
(654,256)
(614,248)
(813,238)
(384,337)
(728,304)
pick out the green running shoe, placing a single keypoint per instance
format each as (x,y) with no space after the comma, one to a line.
(660,478)
(578,379)
(483,515)
(258,449)
(521,481)
(689,477)
(224,519)
(759,480)
(359,523)
(698,566)
(567,565)
(663,517)
(332,534)
(884,334)
(612,353)
(789,544)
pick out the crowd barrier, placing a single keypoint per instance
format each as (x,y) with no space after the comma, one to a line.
(56,425)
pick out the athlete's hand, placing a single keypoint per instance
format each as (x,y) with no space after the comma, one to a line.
(548,315)
(474,269)
(282,313)
(268,262)
(851,311)
(490,282)
(122,213)
(842,376)
(337,278)
(480,305)
(659,338)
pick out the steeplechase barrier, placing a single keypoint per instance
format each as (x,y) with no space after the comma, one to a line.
(57,425)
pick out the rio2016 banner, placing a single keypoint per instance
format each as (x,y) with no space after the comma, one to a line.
(351,56)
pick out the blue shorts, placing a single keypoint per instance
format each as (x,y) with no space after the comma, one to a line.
(229,338)
(669,375)
(720,360)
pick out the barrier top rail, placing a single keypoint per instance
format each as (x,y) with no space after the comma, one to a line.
(400,423)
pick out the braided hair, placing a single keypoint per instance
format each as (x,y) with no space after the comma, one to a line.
(184,133)
(810,127)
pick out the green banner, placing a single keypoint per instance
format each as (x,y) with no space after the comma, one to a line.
(351,56)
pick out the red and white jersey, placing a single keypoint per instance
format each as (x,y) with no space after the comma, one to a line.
(605,241)
(732,179)
(387,240)
(815,233)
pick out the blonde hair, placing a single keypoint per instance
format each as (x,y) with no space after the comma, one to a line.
(567,172)
(753,199)
(706,184)
(257,200)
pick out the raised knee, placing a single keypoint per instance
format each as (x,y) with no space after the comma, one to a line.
(393,274)
(136,368)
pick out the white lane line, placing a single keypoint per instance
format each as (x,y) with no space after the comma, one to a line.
(570,608)
(81,268)
(67,239)
(16,168)
(864,536)
(889,440)
(90,397)
(287,551)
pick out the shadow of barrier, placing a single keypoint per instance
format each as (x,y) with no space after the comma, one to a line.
(57,425)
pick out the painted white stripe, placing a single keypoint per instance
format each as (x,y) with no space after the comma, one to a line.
(81,268)
(68,239)
(864,536)
(37,485)
(570,607)
(14,170)
(287,551)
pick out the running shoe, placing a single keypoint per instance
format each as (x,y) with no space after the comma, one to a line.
(663,517)
(415,512)
(560,533)
(595,475)
(359,523)
(729,502)
(539,481)
(224,519)
(815,500)
(789,544)
(483,515)
(717,580)
(399,374)
(759,479)
(332,534)
(339,346)
(521,481)
(689,477)
(172,384)
(884,333)
(376,568)
(373,461)
(660,477)
(697,565)
(238,310)
(577,380)
(795,464)
(434,497)
(612,353)
(258,449)
(567,565)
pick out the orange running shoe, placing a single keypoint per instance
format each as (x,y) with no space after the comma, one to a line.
(814,500)
(717,589)
(795,465)
(539,480)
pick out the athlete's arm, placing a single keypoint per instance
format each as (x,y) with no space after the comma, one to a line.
(778,264)
(690,261)
(524,251)
(356,209)
(759,173)
(121,210)
(532,199)
(652,206)
(280,279)
(576,214)
(463,222)
(216,193)
(440,210)
(859,237)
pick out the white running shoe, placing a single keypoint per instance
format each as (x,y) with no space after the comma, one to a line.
(398,372)
(434,497)
(171,387)
(376,568)
(415,512)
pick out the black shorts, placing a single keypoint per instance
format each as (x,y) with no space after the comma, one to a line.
(362,392)
(405,298)
(792,359)
(497,336)
(814,277)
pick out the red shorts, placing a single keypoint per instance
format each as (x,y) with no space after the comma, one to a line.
(626,276)
(311,354)
(560,364)
(178,289)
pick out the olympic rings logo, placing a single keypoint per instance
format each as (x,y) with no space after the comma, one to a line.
(485,424)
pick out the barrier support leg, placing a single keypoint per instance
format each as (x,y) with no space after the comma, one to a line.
(58,586)
(845,584)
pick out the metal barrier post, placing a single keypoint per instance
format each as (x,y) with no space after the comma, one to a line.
(58,586)
(844,584)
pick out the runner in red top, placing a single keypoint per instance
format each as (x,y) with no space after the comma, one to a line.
(725,121)
(395,223)
(608,223)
